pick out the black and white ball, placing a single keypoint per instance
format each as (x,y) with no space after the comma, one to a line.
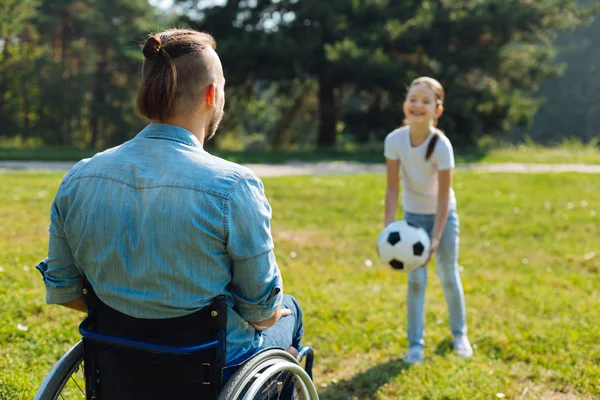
(404,246)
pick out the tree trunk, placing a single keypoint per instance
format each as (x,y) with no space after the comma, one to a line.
(65,35)
(283,136)
(4,85)
(26,110)
(371,117)
(98,96)
(94,122)
(327,113)
(462,135)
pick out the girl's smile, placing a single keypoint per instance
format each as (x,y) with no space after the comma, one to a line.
(420,106)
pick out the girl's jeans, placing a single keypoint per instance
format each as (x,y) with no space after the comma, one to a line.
(447,270)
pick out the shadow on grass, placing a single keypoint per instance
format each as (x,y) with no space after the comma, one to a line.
(365,384)
(444,347)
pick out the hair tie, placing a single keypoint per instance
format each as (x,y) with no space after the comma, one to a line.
(152,48)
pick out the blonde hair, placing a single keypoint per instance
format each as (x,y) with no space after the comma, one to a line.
(437,89)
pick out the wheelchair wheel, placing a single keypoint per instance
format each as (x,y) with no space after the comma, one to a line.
(272,374)
(66,380)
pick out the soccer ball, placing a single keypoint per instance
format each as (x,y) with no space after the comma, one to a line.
(404,246)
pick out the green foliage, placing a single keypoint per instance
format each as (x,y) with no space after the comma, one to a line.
(71,71)
(531,278)
(14,14)
(489,55)
(299,72)
(572,105)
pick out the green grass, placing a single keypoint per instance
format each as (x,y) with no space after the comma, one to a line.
(529,249)
(530,153)
(543,155)
(269,157)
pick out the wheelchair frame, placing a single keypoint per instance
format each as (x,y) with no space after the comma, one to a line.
(244,383)
(247,379)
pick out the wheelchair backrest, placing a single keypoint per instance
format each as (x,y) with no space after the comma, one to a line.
(133,358)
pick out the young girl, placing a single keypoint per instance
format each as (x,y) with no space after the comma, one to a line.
(425,157)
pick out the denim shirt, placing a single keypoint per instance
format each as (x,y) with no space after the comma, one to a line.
(160,227)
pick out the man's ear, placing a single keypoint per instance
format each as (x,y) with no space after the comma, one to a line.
(404,107)
(210,96)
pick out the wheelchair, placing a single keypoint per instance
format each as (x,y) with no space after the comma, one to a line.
(120,357)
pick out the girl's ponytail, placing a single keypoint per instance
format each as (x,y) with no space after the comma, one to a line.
(431,145)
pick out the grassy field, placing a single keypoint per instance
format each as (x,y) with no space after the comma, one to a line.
(568,153)
(531,259)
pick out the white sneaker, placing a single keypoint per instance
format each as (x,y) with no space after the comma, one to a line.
(414,355)
(462,347)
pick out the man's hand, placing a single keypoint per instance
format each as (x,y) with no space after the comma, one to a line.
(267,323)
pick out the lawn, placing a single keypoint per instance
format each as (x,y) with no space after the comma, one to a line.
(568,153)
(530,257)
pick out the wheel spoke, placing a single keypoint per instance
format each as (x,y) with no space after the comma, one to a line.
(78,387)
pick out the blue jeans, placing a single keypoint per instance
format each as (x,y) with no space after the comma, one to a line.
(288,330)
(448,274)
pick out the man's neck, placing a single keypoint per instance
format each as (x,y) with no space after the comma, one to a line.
(195,125)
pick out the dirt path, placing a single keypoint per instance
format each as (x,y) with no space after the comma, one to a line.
(331,168)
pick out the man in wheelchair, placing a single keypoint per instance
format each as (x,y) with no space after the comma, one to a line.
(166,245)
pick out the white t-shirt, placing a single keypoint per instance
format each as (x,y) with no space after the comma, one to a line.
(419,176)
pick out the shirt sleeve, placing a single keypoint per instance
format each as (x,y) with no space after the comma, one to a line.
(390,148)
(63,280)
(444,154)
(256,281)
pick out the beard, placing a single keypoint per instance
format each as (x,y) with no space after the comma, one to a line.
(214,123)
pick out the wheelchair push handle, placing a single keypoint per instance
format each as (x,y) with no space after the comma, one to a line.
(307,353)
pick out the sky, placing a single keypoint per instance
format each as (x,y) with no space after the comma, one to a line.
(168,3)
(268,24)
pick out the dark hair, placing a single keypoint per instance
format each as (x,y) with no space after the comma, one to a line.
(431,145)
(160,81)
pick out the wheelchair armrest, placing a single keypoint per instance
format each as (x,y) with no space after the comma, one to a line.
(149,347)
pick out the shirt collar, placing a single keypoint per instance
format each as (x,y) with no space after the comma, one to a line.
(170,132)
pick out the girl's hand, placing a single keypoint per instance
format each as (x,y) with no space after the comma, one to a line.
(432,248)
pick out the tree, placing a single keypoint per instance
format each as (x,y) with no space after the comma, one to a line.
(489,54)
(572,105)
(114,29)
(70,69)
(14,33)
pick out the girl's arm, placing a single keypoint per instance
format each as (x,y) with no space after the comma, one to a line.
(391,193)
(441,215)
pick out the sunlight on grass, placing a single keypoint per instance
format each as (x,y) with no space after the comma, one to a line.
(545,155)
(530,257)
(568,153)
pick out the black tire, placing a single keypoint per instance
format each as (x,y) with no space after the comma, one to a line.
(60,373)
